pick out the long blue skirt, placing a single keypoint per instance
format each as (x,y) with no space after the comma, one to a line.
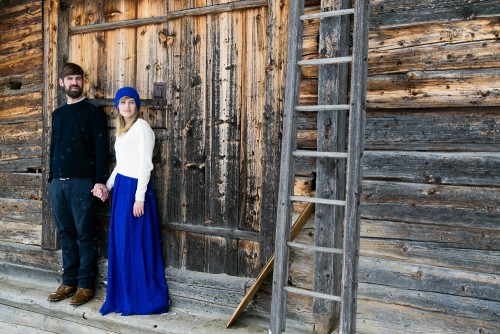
(136,276)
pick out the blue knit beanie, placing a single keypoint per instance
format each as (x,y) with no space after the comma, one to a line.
(130,92)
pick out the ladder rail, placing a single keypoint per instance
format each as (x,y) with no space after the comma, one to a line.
(355,149)
(292,87)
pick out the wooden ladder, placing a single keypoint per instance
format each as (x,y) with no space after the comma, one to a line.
(340,117)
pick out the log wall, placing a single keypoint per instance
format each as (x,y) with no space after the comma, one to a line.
(431,189)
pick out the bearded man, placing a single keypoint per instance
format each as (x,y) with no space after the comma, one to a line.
(78,166)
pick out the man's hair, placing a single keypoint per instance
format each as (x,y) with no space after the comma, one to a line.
(71,69)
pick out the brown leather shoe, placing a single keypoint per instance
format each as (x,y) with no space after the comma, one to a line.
(82,296)
(62,292)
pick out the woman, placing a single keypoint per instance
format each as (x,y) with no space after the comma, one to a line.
(136,279)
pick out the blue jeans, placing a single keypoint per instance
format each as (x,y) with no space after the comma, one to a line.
(75,213)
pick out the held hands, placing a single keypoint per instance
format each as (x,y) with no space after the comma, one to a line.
(100,191)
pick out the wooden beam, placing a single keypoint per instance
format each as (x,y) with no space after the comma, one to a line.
(55,26)
(216,231)
(207,10)
(297,226)
(333,87)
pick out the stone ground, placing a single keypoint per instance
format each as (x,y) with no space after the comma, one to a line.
(24,309)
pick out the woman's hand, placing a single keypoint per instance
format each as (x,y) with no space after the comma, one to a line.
(138,208)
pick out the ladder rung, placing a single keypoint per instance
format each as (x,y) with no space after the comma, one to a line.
(325,61)
(323,107)
(339,12)
(315,248)
(313,294)
(317,200)
(306,153)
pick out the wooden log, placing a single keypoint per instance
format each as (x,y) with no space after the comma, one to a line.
(451,129)
(441,56)
(454,168)
(21,186)
(379,318)
(391,13)
(447,235)
(466,255)
(20,158)
(428,89)
(20,210)
(444,304)
(428,278)
(22,231)
(29,255)
(23,107)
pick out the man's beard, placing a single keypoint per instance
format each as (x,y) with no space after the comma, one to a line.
(74,93)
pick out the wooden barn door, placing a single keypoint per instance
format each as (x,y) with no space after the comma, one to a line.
(217,149)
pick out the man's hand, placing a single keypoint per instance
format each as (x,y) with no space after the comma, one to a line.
(100,191)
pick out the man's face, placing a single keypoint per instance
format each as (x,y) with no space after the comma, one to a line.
(73,85)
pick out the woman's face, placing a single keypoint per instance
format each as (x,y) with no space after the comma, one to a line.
(127,108)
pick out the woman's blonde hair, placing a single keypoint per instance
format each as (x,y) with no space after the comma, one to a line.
(121,125)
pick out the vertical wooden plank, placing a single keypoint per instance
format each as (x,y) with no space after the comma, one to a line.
(55,21)
(274,88)
(87,50)
(151,58)
(186,181)
(252,83)
(175,172)
(355,167)
(248,255)
(225,110)
(330,182)
(222,256)
(120,48)
(283,221)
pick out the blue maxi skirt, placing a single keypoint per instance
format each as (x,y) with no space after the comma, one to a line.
(136,275)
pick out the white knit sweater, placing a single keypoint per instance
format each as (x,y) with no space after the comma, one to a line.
(134,154)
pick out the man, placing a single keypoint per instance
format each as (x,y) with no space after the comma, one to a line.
(78,167)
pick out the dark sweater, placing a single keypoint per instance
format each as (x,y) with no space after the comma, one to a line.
(79,145)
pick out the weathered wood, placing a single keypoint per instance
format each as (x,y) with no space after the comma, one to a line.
(274,86)
(296,228)
(447,235)
(29,255)
(462,283)
(23,107)
(355,149)
(380,317)
(288,144)
(224,254)
(55,20)
(21,186)
(454,168)
(464,254)
(450,129)
(211,290)
(333,88)
(444,304)
(176,14)
(20,158)
(25,230)
(390,13)
(428,89)
(401,192)
(215,231)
